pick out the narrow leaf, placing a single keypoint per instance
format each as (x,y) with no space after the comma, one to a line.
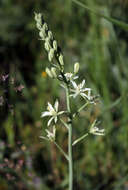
(121,24)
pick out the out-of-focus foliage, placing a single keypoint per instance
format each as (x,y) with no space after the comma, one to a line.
(27,162)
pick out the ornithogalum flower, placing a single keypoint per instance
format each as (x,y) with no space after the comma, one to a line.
(80,90)
(95,130)
(52,112)
(50,135)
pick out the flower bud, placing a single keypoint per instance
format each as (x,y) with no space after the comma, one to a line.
(55,45)
(47,46)
(45,26)
(61,61)
(50,35)
(42,34)
(38,16)
(76,67)
(53,71)
(49,73)
(38,25)
(51,54)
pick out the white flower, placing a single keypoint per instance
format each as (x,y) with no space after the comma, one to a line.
(95,130)
(52,111)
(69,76)
(79,90)
(50,135)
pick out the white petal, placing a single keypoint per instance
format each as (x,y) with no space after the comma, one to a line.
(50,120)
(42,137)
(56,105)
(102,134)
(61,112)
(83,94)
(54,130)
(50,108)
(62,86)
(55,119)
(85,89)
(49,134)
(72,90)
(82,84)
(46,113)
(74,84)
(102,130)
(76,77)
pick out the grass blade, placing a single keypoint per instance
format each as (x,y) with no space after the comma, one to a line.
(121,24)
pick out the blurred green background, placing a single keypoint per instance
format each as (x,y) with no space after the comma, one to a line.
(27,162)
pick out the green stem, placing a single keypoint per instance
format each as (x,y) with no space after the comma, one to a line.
(61,150)
(79,139)
(69,142)
(64,123)
(80,109)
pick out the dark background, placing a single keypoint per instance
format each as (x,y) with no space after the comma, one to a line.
(27,162)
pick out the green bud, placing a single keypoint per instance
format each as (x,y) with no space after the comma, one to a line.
(50,35)
(38,25)
(47,46)
(51,54)
(76,67)
(61,61)
(38,16)
(45,26)
(55,45)
(42,34)
(49,73)
(47,39)
(53,71)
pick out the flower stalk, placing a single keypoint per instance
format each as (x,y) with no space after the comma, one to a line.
(69,140)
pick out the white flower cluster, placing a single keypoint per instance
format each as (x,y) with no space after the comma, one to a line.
(77,89)
(53,113)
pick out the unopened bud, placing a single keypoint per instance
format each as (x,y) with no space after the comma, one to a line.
(51,54)
(49,73)
(61,61)
(50,35)
(38,16)
(42,34)
(47,46)
(38,25)
(53,71)
(45,26)
(55,45)
(76,67)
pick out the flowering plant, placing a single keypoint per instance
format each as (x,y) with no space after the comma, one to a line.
(67,81)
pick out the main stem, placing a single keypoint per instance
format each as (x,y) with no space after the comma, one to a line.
(69,141)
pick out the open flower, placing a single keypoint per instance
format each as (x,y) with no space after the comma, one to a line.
(95,130)
(79,90)
(52,111)
(50,135)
